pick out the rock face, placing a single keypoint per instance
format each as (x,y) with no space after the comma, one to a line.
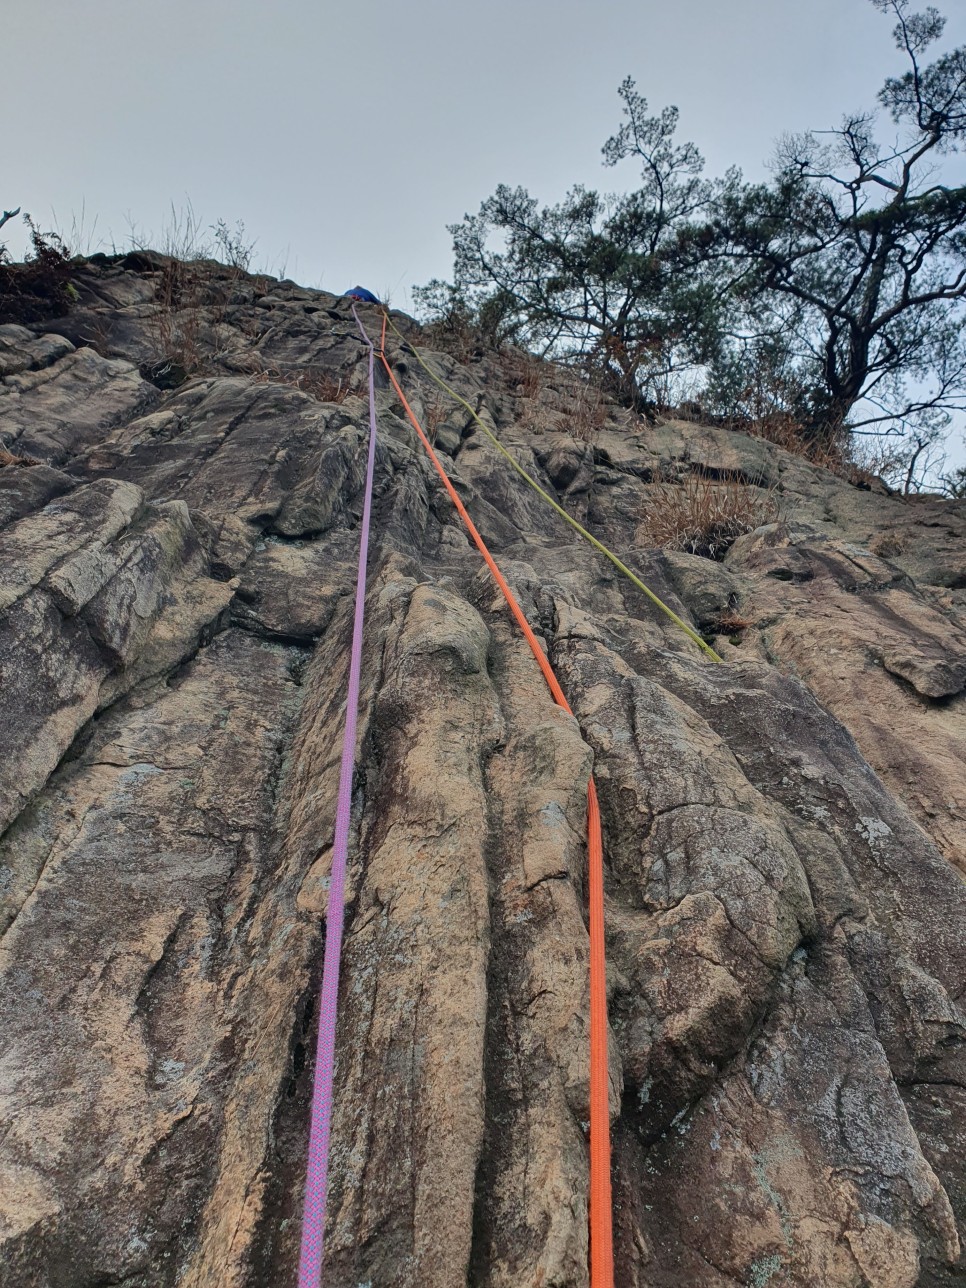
(785,834)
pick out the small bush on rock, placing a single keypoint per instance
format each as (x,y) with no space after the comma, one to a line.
(10,460)
(323,385)
(705,516)
(40,287)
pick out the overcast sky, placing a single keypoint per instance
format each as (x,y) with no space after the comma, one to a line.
(346,136)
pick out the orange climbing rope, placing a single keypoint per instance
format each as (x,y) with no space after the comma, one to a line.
(600,1216)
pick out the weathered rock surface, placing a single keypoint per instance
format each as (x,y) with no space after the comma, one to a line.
(785,834)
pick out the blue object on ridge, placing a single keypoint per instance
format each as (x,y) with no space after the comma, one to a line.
(360,293)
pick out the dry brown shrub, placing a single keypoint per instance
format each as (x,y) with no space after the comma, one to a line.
(732,623)
(319,384)
(178,320)
(11,459)
(434,415)
(40,287)
(325,386)
(784,431)
(192,301)
(887,544)
(705,516)
(874,461)
(524,372)
(861,468)
(455,335)
(589,415)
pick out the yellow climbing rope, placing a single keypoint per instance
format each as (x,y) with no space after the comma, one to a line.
(598,545)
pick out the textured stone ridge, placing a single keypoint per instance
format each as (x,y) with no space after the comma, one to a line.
(785,834)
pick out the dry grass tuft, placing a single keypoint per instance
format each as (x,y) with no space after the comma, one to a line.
(863,462)
(705,516)
(784,431)
(589,414)
(14,461)
(887,544)
(524,372)
(840,456)
(732,623)
(455,335)
(319,384)
(192,302)
(433,417)
(178,320)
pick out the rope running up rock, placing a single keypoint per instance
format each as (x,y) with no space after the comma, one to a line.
(532,482)
(316,1183)
(601,1214)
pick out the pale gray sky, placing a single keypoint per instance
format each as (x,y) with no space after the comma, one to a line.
(346,136)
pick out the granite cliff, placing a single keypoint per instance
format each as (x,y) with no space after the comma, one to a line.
(785,835)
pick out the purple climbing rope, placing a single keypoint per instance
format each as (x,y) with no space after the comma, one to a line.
(316,1183)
